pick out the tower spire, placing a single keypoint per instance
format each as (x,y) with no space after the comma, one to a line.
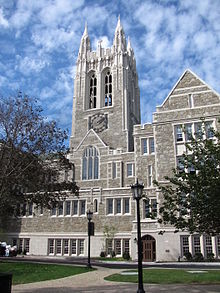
(85,30)
(119,39)
(85,43)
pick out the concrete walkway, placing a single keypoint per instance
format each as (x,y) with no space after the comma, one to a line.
(94,282)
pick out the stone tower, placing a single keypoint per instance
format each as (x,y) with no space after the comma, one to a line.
(106,93)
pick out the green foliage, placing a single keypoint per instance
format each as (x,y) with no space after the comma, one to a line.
(171,276)
(32,155)
(109,234)
(102,254)
(210,256)
(198,257)
(188,256)
(191,198)
(126,256)
(29,272)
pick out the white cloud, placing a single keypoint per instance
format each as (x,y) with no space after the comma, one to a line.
(3,21)
(50,39)
(28,65)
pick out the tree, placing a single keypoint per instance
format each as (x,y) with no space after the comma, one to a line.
(109,234)
(191,197)
(32,156)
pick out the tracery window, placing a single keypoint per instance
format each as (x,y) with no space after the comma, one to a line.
(108,89)
(90,164)
(92,92)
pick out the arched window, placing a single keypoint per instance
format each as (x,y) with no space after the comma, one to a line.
(95,206)
(92,92)
(108,89)
(90,164)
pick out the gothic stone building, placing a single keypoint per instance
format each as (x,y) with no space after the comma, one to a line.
(110,149)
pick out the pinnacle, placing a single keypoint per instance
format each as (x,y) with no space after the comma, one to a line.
(86,30)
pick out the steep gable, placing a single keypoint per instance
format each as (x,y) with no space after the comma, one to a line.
(91,138)
(189,92)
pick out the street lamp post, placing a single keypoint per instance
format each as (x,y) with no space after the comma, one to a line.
(89,217)
(137,189)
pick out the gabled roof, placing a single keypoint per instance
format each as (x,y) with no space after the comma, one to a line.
(183,77)
(93,133)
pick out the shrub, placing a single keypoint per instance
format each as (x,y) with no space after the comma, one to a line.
(188,256)
(210,256)
(103,254)
(126,255)
(113,253)
(198,257)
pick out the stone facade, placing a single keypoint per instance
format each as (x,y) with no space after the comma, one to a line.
(110,149)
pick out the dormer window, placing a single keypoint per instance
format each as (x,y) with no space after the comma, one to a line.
(108,89)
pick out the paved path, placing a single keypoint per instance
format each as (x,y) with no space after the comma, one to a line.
(94,282)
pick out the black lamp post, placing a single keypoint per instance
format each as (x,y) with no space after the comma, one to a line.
(137,189)
(89,217)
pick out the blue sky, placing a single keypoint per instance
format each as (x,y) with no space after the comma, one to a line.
(39,43)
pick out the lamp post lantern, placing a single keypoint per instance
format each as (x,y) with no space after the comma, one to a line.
(137,190)
(89,217)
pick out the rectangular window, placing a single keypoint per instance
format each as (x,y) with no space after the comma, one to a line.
(196,244)
(118,206)
(14,242)
(109,246)
(150,175)
(198,130)
(30,209)
(147,208)
(110,206)
(144,146)
(130,170)
(27,244)
(126,244)
(118,246)
(41,209)
(66,246)
(154,207)
(24,209)
(185,244)
(73,247)
(114,170)
(58,246)
(208,244)
(53,211)
(151,145)
(126,205)
(82,207)
(51,246)
(180,164)
(218,245)
(150,208)
(209,129)
(179,134)
(81,246)
(67,208)
(60,209)
(20,244)
(75,207)
(188,132)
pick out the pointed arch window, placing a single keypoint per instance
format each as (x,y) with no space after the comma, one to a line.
(92,92)
(90,164)
(108,89)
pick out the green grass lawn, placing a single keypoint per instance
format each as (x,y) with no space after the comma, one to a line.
(31,272)
(170,276)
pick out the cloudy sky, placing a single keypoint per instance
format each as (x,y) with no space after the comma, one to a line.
(39,43)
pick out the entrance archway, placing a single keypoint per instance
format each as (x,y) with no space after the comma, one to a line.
(148,248)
